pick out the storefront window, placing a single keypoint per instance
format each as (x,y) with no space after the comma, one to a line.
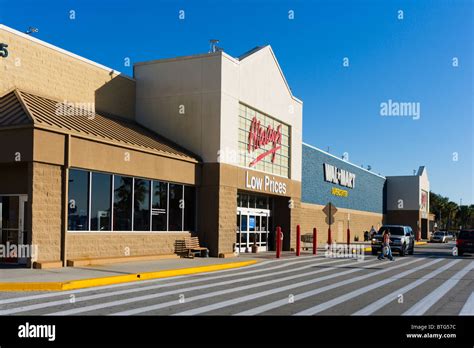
(189,207)
(122,203)
(100,202)
(159,206)
(78,200)
(135,202)
(252,201)
(176,205)
(245,201)
(141,220)
(262,202)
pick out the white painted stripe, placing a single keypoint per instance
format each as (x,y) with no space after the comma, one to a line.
(236,272)
(251,297)
(468,308)
(375,306)
(178,291)
(346,297)
(241,288)
(422,306)
(283,302)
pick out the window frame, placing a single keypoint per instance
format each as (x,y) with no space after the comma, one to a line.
(150,200)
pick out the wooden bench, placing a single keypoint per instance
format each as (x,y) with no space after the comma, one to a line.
(192,246)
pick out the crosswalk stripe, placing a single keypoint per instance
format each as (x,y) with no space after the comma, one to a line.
(346,297)
(179,291)
(194,278)
(251,297)
(241,288)
(422,306)
(468,308)
(283,302)
(373,307)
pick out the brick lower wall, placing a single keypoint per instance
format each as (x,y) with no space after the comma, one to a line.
(227,219)
(310,216)
(46,218)
(83,245)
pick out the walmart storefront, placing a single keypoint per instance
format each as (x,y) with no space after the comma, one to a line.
(358,194)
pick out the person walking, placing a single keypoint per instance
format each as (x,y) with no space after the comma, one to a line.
(386,250)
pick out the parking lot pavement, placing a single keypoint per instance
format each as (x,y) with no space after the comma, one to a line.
(432,282)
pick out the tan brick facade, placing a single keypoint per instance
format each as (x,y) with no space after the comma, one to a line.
(311,215)
(31,65)
(83,245)
(227,218)
(46,210)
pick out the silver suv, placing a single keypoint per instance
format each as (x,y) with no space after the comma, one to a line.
(402,239)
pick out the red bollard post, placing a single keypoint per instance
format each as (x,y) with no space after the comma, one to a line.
(348,236)
(278,241)
(329,236)
(315,243)
(298,240)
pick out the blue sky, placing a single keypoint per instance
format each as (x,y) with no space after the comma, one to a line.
(407,60)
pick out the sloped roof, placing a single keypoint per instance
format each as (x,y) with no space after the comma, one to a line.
(18,108)
(11,111)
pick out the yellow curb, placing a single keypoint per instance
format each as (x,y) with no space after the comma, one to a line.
(368,249)
(93,282)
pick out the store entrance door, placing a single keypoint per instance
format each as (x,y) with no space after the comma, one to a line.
(12,228)
(252,229)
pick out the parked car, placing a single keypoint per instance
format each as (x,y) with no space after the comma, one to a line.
(402,239)
(451,235)
(439,237)
(465,242)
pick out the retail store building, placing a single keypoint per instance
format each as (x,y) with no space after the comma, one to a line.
(95,164)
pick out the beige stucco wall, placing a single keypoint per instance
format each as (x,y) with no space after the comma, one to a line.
(36,66)
(258,82)
(209,87)
(118,160)
(180,99)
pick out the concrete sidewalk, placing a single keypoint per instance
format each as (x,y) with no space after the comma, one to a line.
(67,278)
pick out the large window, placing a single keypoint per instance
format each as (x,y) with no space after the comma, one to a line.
(122,203)
(159,206)
(176,206)
(280,164)
(100,201)
(78,200)
(141,198)
(189,208)
(106,202)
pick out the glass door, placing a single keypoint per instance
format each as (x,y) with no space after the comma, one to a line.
(12,227)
